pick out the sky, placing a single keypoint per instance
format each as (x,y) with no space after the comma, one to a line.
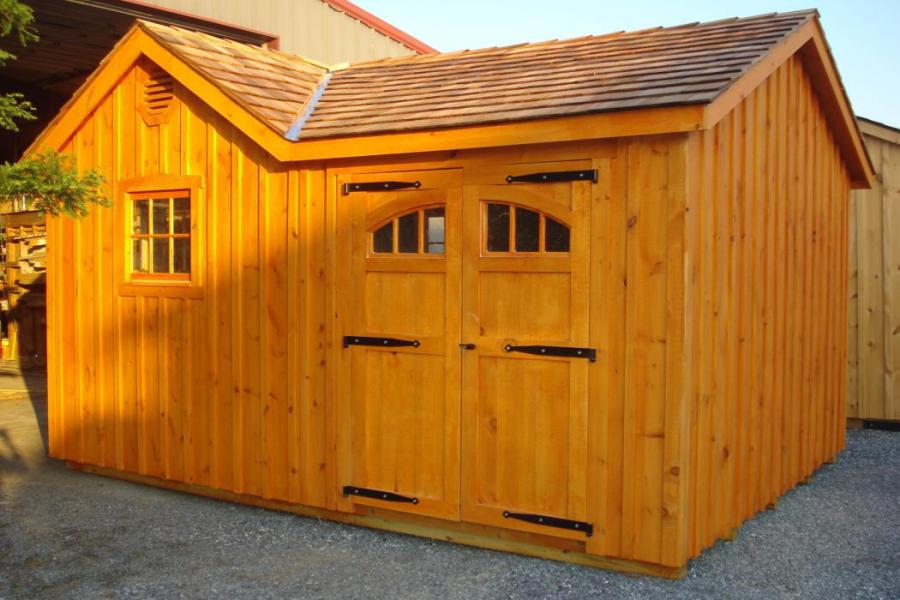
(864,35)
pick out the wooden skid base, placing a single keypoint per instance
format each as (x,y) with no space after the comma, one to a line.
(457,533)
(881,424)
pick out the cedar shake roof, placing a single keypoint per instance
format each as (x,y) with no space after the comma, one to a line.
(272,85)
(300,99)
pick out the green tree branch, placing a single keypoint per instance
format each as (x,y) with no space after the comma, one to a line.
(49,182)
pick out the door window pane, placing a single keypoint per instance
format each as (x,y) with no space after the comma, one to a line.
(408,233)
(418,232)
(434,231)
(557,236)
(384,238)
(528,230)
(498,228)
(535,232)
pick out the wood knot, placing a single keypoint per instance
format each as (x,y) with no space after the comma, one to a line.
(675,471)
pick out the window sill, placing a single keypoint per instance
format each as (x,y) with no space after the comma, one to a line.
(160,289)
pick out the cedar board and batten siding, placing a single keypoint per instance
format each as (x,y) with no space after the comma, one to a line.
(212,389)
(201,389)
(873,383)
(765,254)
(717,276)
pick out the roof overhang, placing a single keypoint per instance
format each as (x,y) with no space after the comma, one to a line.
(138,43)
(808,41)
(879,130)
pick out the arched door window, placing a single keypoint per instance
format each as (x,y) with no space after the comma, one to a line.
(512,229)
(419,232)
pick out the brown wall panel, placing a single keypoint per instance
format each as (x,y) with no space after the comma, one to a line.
(873,382)
(769,201)
(192,388)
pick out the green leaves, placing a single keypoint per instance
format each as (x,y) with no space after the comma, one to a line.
(50,182)
(14,106)
(15,18)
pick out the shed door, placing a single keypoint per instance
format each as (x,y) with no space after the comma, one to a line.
(398,382)
(525,302)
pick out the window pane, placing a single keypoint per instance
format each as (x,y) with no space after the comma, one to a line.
(434,231)
(160,254)
(408,233)
(181,215)
(557,236)
(384,238)
(141,216)
(160,216)
(141,255)
(182,255)
(498,228)
(528,230)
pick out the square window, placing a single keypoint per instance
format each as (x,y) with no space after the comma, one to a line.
(161,236)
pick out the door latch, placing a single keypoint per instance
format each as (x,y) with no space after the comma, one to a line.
(469,346)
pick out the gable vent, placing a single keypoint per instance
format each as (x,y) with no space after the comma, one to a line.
(158,94)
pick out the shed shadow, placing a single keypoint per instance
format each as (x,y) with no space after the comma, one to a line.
(29,373)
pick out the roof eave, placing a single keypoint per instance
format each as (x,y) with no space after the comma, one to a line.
(595,126)
(808,41)
(136,43)
(879,130)
(71,114)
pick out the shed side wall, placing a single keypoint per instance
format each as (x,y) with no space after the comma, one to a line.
(873,382)
(195,389)
(767,252)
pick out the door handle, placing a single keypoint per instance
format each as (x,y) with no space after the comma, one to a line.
(468,346)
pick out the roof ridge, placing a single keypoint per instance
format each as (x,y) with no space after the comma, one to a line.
(305,98)
(418,59)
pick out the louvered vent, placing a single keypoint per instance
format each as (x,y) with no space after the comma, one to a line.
(158,94)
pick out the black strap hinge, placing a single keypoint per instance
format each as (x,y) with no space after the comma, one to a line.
(586,528)
(352,490)
(379,186)
(565,351)
(359,340)
(554,177)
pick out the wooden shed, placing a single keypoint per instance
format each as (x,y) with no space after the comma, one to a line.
(873,382)
(581,299)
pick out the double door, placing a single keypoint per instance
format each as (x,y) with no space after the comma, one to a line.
(463,316)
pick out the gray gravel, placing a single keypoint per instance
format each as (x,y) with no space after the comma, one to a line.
(66,534)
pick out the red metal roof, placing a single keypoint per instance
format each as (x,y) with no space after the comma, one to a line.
(380,25)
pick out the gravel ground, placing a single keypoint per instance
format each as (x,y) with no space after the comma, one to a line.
(65,534)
